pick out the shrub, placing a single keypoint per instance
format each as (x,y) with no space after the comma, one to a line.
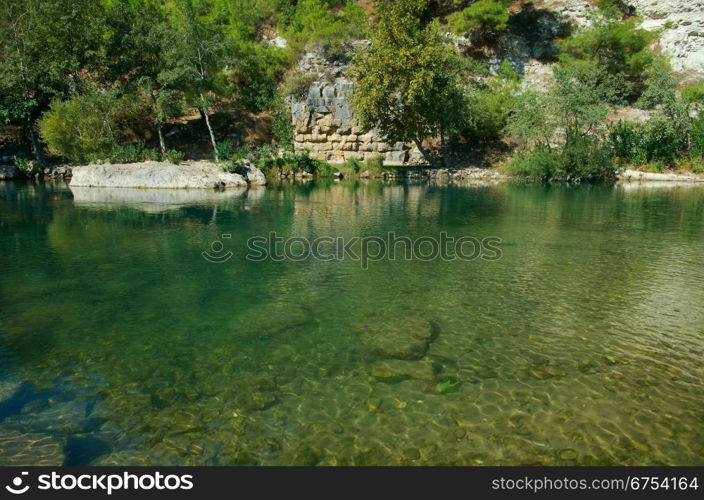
(226,150)
(626,141)
(296,84)
(91,126)
(258,70)
(173,156)
(483,19)
(540,165)
(235,167)
(128,153)
(375,164)
(619,52)
(584,160)
(353,165)
(295,164)
(80,128)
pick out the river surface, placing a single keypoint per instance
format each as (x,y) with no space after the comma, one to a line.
(580,341)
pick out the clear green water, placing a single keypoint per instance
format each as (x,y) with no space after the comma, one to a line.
(120,344)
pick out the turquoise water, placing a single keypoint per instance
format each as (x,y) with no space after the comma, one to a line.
(121,344)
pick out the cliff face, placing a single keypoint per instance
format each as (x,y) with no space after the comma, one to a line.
(684,40)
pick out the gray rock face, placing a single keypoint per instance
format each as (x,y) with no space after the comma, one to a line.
(8,172)
(156,175)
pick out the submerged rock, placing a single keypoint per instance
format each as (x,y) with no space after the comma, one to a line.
(8,172)
(404,338)
(152,174)
(397,369)
(22,449)
(8,389)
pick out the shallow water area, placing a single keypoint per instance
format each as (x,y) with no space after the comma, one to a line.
(120,344)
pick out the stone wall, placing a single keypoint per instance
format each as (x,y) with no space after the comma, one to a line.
(326,127)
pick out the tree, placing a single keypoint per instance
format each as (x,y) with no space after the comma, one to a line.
(48,49)
(195,59)
(483,19)
(619,49)
(406,80)
(138,42)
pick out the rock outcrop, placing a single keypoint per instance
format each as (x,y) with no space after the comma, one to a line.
(156,175)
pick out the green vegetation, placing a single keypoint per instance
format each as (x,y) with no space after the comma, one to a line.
(132,80)
(483,20)
(407,80)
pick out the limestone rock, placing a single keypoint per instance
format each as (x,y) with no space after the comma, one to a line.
(253,175)
(153,174)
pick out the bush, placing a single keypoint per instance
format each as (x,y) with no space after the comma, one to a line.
(80,128)
(235,167)
(90,126)
(258,70)
(584,160)
(617,50)
(353,165)
(626,141)
(226,150)
(296,84)
(374,164)
(314,21)
(291,163)
(173,156)
(128,153)
(483,20)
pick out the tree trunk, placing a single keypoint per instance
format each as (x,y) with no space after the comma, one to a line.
(426,154)
(160,133)
(36,145)
(443,149)
(210,129)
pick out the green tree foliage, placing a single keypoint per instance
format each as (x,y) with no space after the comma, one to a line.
(90,126)
(561,130)
(49,49)
(407,80)
(483,20)
(617,49)
(195,60)
(315,21)
(138,40)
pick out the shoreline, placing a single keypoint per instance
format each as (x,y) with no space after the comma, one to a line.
(208,175)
